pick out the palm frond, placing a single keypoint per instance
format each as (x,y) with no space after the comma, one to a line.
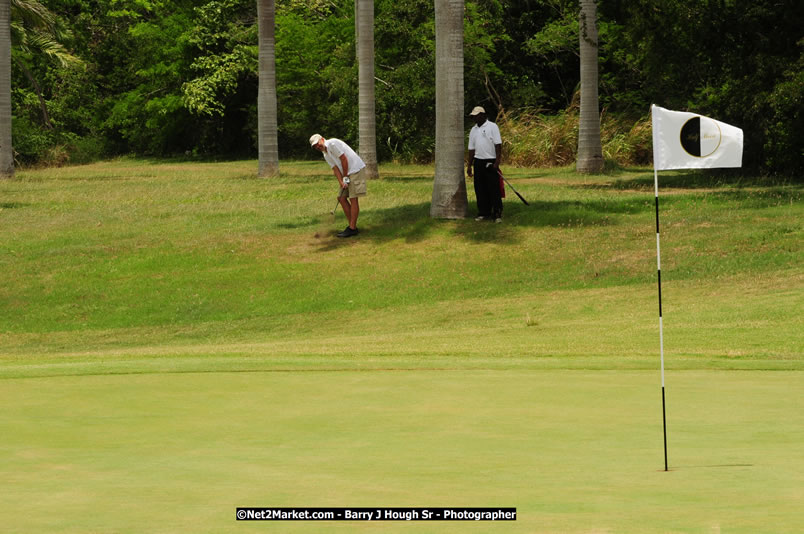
(33,14)
(46,45)
(36,30)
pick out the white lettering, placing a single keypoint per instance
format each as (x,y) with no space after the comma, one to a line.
(359,515)
(407,516)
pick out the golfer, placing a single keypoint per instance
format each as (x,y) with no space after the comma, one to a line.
(485,151)
(350,170)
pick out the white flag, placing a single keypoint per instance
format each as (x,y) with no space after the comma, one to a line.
(684,140)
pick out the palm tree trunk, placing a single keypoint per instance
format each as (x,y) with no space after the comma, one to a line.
(365,59)
(590,151)
(268,145)
(6,151)
(449,187)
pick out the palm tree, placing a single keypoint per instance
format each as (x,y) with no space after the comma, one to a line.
(33,30)
(36,31)
(365,59)
(266,95)
(6,152)
(590,151)
(449,187)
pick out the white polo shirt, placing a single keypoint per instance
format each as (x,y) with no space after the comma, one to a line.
(483,138)
(336,147)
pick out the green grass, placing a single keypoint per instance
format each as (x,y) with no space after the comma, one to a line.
(192,252)
(178,339)
(573,451)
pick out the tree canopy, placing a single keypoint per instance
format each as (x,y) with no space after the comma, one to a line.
(179,77)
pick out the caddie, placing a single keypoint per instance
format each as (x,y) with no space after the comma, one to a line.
(485,153)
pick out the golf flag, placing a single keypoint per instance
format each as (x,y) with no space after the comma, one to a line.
(683,140)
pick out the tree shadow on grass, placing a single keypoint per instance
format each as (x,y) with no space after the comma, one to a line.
(688,179)
(412,223)
(408,177)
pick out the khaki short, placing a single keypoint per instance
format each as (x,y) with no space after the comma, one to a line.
(357,184)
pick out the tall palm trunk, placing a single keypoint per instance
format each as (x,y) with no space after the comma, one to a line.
(365,60)
(268,144)
(6,152)
(590,151)
(449,187)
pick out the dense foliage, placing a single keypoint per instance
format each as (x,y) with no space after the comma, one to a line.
(179,77)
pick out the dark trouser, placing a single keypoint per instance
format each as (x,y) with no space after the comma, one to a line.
(487,189)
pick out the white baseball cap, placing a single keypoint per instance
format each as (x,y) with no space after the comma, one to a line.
(315,139)
(477,111)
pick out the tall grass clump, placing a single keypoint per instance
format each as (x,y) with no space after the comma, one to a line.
(626,142)
(531,139)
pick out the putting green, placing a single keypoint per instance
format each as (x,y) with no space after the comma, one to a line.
(573,451)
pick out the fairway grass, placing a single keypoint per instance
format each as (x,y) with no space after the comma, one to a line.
(573,451)
(615,328)
(180,339)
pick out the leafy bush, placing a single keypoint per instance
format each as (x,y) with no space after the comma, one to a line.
(82,150)
(784,139)
(31,141)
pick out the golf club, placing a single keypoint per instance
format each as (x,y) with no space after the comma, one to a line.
(320,231)
(514,190)
(338,200)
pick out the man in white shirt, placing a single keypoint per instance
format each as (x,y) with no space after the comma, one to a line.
(349,169)
(485,151)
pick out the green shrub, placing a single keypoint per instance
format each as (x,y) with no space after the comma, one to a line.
(37,146)
(31,142)
(784,137)
(86,149)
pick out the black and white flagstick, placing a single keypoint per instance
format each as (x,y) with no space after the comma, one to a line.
(661,334)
